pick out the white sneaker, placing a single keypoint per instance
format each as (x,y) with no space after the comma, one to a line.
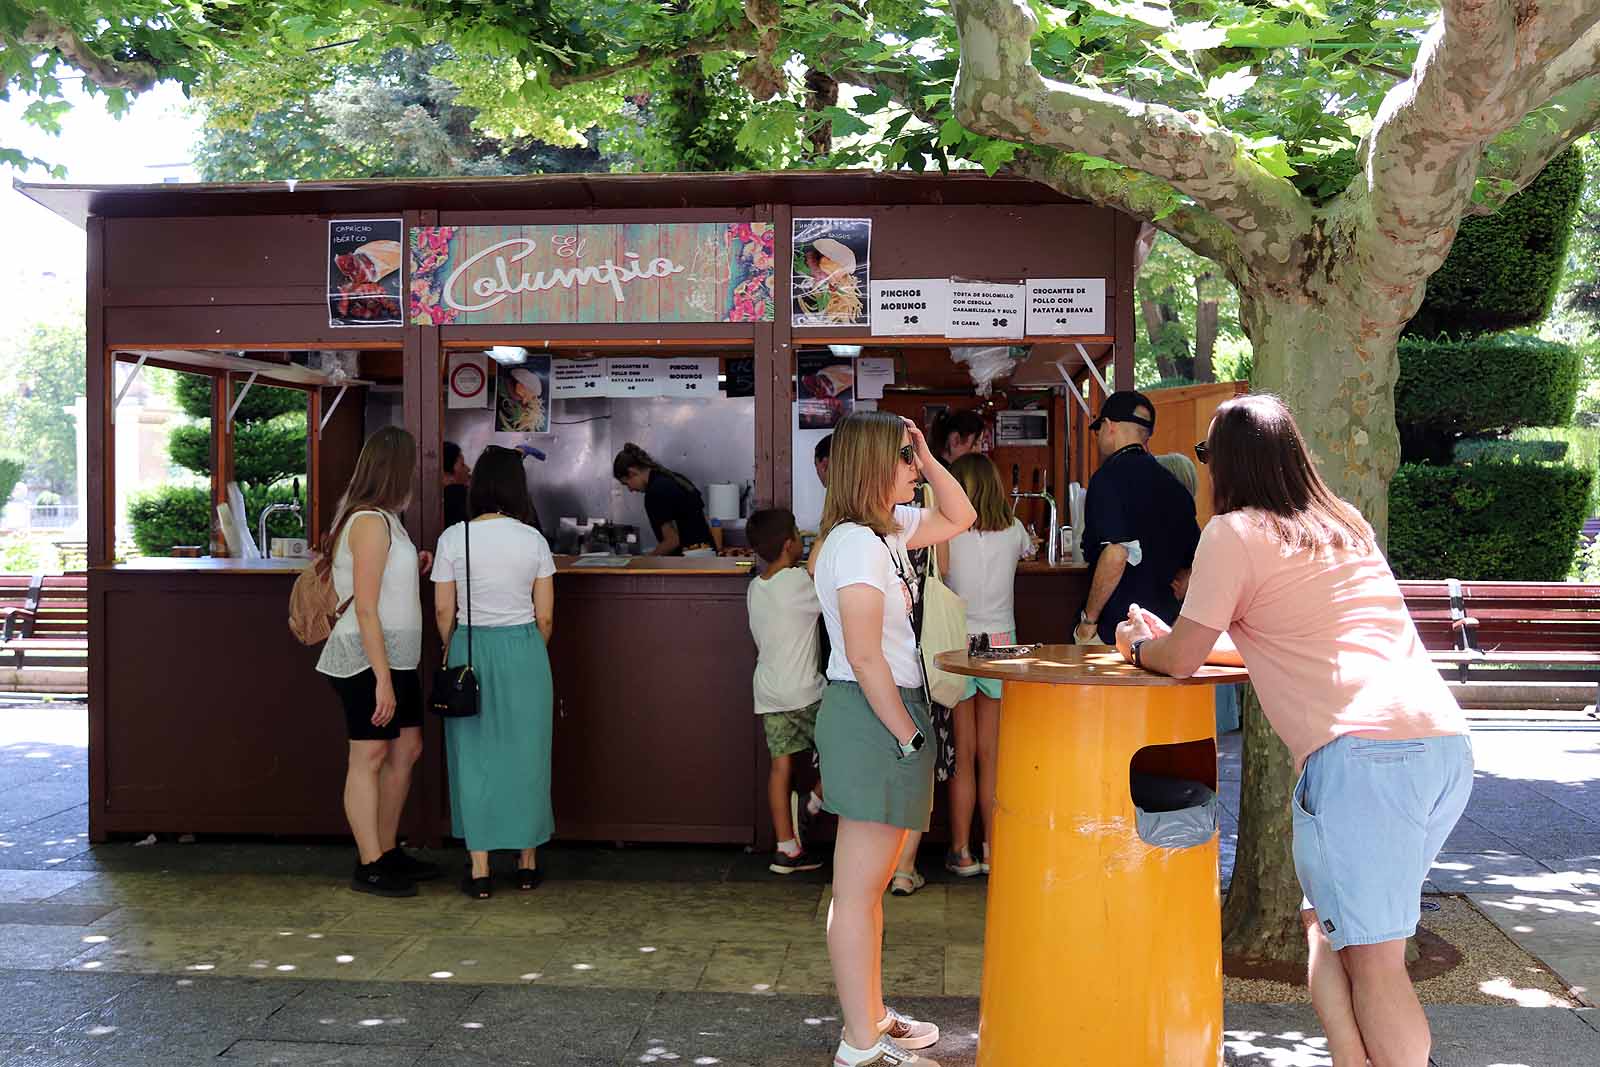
(908,1032)
(884,1054)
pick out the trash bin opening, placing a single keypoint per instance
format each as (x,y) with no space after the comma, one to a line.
(1173,788)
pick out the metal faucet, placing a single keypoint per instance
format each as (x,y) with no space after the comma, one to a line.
(272,509)
(1052,552)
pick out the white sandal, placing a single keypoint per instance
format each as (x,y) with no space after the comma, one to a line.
(904,883)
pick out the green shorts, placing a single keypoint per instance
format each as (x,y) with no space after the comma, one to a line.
(864,777)
(789,732)
(989,687)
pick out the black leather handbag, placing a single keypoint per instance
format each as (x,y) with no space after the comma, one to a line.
(455,689)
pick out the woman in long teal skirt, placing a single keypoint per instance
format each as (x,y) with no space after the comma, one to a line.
(494,601)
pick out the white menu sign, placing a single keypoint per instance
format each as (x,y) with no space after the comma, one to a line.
(985,309)
(910,307)
(629,377)
(1064,306)
(571,379)
(693,377)
(873,375)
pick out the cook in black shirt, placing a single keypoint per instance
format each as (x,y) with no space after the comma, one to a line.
(676,510)
(1139,523)
(457,477)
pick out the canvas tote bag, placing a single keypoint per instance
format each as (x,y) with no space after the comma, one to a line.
(944,629)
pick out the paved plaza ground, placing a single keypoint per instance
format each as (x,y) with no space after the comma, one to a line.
(256,953)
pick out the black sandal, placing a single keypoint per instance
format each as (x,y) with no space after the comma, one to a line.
(529,878)
(477,888)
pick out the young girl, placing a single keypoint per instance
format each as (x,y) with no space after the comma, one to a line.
(874,734)
(371,658)
(981,566)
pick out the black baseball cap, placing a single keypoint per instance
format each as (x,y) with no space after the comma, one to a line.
(1123,406)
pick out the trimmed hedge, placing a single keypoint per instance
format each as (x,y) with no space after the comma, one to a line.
(263,452)
(1449,389)
(181,515)
(11,468)
(1503,269)
(1491,521)
(1495,448)
(262,402)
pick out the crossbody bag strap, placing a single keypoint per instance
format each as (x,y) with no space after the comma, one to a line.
(466,532)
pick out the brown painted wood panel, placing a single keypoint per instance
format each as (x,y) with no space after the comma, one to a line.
(244,326)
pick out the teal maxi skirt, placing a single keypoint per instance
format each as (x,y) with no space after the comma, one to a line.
(499,759)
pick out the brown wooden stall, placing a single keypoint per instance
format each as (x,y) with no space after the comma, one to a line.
(206,715)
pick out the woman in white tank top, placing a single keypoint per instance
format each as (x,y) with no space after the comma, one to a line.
(371,658)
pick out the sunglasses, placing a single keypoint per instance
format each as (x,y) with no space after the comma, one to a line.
(908,455)
(1202,452)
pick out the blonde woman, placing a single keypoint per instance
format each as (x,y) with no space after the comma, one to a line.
(981,566)
(371,658)
(874,734)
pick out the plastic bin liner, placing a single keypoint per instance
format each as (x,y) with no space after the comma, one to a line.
(1174,812)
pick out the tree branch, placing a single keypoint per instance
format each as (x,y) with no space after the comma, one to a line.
(999,93)
(1580,61)
(726,39)
(53,33)
(1517,157)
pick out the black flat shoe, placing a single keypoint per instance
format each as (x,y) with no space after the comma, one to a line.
(477,888)
(529,878)
(398,861)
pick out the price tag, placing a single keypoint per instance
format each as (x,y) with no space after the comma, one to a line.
(571,379)
(694,377)
(910,307)
(985,309)
(1059,307)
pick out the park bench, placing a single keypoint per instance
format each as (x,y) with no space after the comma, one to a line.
(46,619)
(1509,631)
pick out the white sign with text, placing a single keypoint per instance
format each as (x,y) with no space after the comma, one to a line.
(910,307)
(572,379)
(694,377)
(1066,306)
(632,378)
(985,309)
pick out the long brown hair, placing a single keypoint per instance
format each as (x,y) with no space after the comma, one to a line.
(980,480)
(862,467)
(381,482)
(1259,460)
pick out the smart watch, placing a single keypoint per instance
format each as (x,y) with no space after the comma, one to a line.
(913,746)
(1134,652)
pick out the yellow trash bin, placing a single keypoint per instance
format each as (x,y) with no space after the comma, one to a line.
(1100,947)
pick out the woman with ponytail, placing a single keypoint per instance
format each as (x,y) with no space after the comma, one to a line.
(676,509)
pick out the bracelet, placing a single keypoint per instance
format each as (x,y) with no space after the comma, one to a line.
(1134,650)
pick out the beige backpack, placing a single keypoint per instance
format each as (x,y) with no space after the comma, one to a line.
(313,605)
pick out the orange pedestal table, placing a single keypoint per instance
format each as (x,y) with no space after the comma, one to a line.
(1099,947)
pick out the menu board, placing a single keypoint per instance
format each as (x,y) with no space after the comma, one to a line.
(985,309)
(632,378)
(910,307)
(364,257)
(572,379)
(692,377)
(1066,306)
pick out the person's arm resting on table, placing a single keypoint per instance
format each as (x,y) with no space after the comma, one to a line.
(1176,651)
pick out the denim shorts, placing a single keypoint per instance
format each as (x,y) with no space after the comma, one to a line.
(1370,817)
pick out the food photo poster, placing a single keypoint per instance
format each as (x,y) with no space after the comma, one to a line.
(831,271)
(364,257)
(523,397)
(827,389)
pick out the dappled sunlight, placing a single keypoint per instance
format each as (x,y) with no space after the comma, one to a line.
(1292,1048)
(1525,998)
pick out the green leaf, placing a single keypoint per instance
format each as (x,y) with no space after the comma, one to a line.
(844,123)
(951,132)
(1229,85)
(1275,160)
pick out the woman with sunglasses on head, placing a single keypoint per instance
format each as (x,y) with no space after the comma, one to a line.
(873,731)
(1289,581)
(499,759)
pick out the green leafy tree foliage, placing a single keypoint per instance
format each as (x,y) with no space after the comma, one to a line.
(390,118)
(41,374)
(11,468)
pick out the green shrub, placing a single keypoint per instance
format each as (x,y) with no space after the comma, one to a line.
(1449,389)
(193,393)
(1490,521)
(181,515)
(1586,564)
(21,557)
(1583,450)
(11,467)
(263,452)
(1503,269)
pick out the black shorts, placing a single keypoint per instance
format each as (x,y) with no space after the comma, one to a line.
(359,695)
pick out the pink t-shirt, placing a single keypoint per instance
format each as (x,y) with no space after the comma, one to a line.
(1329,645)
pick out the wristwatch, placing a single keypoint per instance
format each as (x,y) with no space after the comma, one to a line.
(913,746)
(1084,620)
(1134,652)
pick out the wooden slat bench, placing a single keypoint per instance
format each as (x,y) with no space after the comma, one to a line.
(46,619)
(1509,631)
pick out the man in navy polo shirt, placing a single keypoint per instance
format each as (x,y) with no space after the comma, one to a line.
(1139,531)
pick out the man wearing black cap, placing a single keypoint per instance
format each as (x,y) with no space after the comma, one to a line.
(1139,526)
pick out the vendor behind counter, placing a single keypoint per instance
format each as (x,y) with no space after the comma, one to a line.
(676,510)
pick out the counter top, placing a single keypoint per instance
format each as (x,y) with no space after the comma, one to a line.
(656,565)
(208,564)
(1035,566)
(1079,665)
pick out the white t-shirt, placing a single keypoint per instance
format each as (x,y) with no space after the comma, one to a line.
(507,557)
(854,555)
(783,620)
(983,570)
